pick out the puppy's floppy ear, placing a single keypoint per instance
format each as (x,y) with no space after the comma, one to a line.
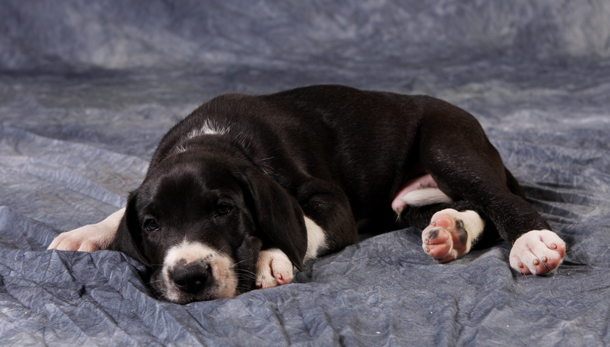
(247,256)
(278,215)
(128,237)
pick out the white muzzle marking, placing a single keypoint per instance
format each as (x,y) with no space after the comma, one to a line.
(225,279)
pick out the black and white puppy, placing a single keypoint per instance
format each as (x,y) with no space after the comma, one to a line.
(248,186)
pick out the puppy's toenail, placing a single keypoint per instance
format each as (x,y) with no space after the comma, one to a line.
(536,262)
(544,259)
(520,265)
(553,246)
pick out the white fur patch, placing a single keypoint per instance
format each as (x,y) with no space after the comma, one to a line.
(90,238)
(316,239)
(221,264)
(540,251)
(209,128)
(425,196)
(273,269)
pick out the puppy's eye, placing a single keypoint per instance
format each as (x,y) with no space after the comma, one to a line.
(150,225)
(222,209)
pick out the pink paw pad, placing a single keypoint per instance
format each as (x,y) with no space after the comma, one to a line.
(445,238)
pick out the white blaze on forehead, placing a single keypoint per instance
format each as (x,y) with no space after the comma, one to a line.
(225,285)
(209,128)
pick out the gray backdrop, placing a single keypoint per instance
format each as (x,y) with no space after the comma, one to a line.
(87,89)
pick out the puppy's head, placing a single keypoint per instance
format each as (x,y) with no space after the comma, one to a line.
(199,224)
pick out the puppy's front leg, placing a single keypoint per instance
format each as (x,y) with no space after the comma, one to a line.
(273,269)
(90,238)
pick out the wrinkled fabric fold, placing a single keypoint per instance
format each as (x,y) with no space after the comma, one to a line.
(87,90)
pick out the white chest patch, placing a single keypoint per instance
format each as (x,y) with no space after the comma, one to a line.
(316,239)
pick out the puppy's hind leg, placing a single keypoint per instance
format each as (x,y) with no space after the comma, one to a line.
(466,166)
(450,229)
(90,238)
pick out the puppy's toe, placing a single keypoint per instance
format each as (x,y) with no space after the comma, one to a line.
(282,271)
(537,252)
(84,239)
(451,234)
(273,269)
(437,242)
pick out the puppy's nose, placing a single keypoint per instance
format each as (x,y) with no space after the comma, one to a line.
(191,278)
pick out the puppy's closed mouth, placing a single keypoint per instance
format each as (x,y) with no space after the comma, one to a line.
(193,271)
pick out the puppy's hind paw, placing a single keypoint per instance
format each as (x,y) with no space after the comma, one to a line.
(273,269)
(451,234)
(537,252)
(438,243)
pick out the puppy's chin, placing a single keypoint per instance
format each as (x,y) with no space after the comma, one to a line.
(168,292)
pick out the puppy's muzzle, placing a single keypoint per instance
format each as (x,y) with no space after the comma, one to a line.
(193,271)
(192,278)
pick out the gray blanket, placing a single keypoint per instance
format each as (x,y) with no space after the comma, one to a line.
(87,89)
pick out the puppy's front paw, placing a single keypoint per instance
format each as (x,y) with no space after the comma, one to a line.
(88,238)
(273,269)
(537,252)
(451,234)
